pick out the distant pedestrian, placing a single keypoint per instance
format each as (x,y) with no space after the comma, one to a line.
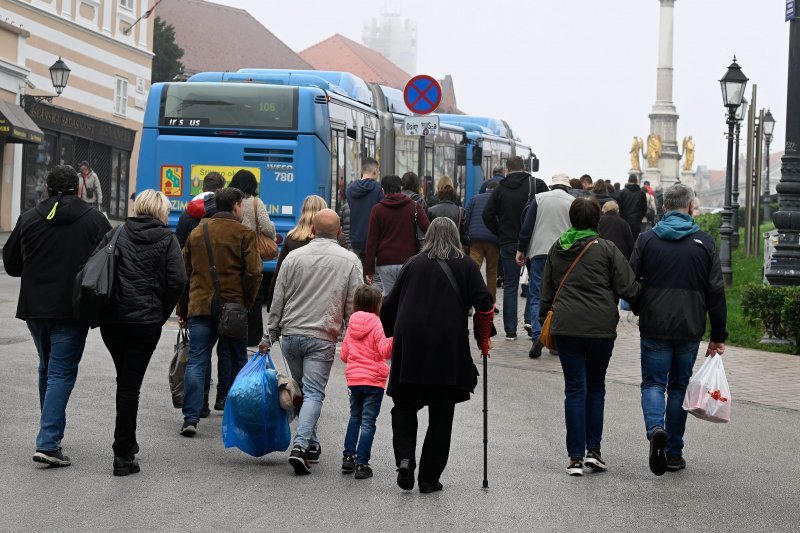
(614,229)
(313,300)
(412,189)
(482,242)
(448,204)
(48,247)
(238,271)
(679,267)
(431,363)
(503,217)
(651,215)
(498,175)
(90,190)
(364,351)
(633,205)
(201,206)
(600,193)
(392,234)
(584,325)
(587,182)
(577,190)
(362,196)
(149,279)
(545,220)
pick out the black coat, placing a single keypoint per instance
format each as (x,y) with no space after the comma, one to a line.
(429,325)
(150,274)
(48,254)
(632,203)
(616,230)
(503,212)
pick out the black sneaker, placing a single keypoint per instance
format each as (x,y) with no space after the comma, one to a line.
(658,461)
(56,458)
(511,336)
(527,327)
(536,350)
(299,461)
(363,472)
(675,463)
(189,429)
(348,464)
(219,405)
(595,461)
(124,466)
(205,412)
(313,453)
(575,466)
(405,474)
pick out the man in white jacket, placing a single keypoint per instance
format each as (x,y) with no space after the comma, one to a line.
(313,300)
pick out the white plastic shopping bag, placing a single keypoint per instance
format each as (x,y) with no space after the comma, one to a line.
(708,395)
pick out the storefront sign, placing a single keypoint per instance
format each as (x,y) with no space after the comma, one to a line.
(83,126)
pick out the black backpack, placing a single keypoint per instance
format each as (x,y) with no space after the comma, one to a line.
(94,284)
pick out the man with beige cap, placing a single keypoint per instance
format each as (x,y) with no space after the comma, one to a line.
(545,220)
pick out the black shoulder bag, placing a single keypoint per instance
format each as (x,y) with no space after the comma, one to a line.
(232,316)
(93,287)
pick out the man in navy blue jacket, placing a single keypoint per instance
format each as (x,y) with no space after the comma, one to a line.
(482,242)
(362,196)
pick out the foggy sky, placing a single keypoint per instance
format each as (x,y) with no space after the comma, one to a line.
(576,79)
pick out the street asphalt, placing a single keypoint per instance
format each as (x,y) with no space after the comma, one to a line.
(740,477)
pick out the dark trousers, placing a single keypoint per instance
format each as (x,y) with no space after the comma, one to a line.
(131,347)
(636,229)
(436,447)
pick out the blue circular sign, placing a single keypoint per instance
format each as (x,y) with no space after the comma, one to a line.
(422,94)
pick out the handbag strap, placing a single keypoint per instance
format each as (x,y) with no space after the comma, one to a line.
(112,244)
(451,278)
(212,265)
(255,214)
(585,248)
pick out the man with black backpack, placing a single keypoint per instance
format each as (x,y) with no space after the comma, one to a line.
(47,249)
(503,217)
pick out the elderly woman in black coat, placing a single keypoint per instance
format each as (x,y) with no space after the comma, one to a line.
(426,312)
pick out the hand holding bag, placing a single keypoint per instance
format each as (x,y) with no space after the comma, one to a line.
(708,395)
(232,316)
(267,248)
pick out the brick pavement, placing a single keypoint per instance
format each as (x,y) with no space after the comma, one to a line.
(755,376)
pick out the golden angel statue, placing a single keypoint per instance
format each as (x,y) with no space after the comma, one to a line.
(636,147)
(688,153)
(653,150)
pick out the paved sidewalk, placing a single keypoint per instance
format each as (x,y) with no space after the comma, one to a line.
(755,376)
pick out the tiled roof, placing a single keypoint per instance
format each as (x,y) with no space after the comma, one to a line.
(342,54)
(220,38)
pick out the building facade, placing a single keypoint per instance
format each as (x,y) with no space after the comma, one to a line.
(97,118)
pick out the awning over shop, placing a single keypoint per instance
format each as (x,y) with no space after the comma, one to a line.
(16,126)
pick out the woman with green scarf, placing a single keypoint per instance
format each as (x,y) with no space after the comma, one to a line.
(584,325)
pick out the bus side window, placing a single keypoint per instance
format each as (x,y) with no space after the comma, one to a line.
(338,185)
(368,148)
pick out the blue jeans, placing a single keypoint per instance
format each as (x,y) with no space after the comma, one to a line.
(365,406)
(310,361)
(584,362)
(202,337)
(666,367)
(60,344)
(511,270)
(388,275)
(535,270)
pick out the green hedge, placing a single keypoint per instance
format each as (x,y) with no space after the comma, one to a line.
(776,309)
(710,223)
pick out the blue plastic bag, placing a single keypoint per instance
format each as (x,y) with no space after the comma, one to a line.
(253,420)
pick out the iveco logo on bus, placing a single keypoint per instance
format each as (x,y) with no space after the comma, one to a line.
(279,167)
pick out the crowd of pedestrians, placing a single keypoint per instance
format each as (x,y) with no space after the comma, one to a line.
(396,282)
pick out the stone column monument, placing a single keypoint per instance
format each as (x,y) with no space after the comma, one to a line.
(664,116)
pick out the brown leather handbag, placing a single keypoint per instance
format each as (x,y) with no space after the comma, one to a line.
(267,248)
(545,337)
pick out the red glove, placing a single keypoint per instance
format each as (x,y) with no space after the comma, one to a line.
(483,328)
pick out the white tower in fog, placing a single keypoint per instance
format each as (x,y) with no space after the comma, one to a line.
(393,37)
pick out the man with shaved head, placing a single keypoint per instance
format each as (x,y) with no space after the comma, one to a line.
(313,300)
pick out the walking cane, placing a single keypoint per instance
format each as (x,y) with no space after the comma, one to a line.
(484,324)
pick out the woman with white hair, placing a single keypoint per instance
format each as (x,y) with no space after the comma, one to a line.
(426,312)
(149,279)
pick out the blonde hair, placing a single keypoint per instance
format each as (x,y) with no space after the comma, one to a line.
(444,183)
(611,205)
(152,203)
(312,205)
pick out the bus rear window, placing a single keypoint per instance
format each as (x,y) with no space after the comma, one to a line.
(229,105)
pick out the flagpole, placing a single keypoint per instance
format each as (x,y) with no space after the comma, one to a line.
(147,13)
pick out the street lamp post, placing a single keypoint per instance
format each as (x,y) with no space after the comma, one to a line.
(741,113)
(59,76)
(769,127)
(733,84)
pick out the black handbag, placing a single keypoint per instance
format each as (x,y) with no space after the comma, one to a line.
(232,316)
(94,285)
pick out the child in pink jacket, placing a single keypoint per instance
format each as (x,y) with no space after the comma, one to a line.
(364,351)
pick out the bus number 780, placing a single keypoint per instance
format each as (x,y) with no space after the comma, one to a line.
(284,176)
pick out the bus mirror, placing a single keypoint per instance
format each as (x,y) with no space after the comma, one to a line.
(477,156)
(461,155)
(533,163)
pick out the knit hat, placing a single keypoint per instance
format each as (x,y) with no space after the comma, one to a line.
(560,179)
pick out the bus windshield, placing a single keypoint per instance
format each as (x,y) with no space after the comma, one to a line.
(229,105)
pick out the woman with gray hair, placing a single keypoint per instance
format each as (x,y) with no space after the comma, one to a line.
(149,278)
(426,312)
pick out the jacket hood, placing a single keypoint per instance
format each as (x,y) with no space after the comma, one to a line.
(69,209)
(674,226)
(146,229)
(361,324)
(572,236)
(363,187)
(633,187)
(196,207)
(396,200)
(515,180)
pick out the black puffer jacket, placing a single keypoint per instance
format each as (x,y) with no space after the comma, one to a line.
(503,212)
(632,203)
(150,273)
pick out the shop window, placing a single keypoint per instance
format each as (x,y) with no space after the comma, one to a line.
(39,160)
(118,197)
(121,96)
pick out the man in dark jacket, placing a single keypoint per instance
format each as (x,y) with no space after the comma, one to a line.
(482,242)
(362,196)
(498,175)
(238,267)
(503,217)
(201,206)
(682,283)
(392,234)
(48,247)
(633,205)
